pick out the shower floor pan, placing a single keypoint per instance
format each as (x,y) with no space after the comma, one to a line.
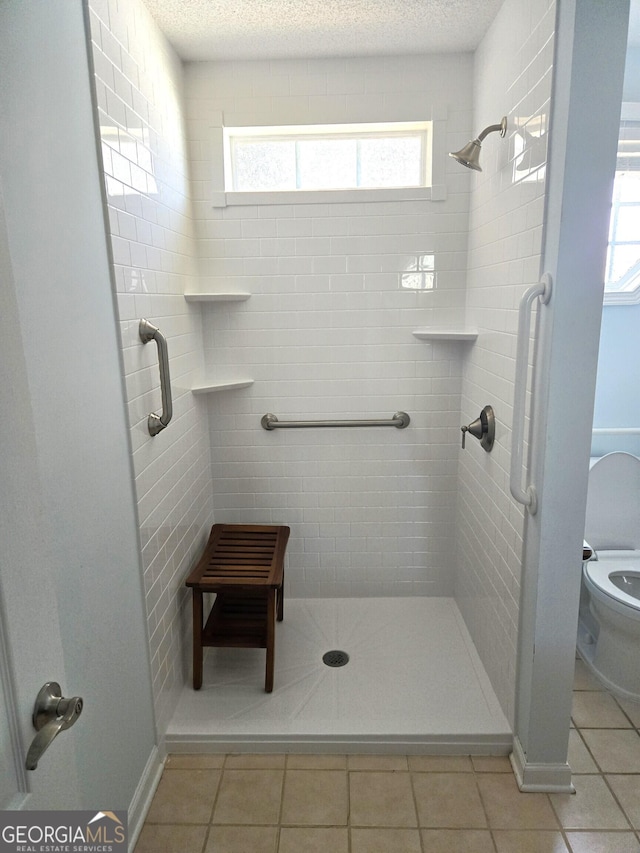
(413,684)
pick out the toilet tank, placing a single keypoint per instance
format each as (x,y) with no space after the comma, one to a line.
(613,503)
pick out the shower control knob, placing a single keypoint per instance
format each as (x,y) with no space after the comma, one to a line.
(483,428)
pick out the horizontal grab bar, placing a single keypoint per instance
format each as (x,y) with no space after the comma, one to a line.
(399,420)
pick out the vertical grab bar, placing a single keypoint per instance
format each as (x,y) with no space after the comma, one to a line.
(542,290)
(149,332)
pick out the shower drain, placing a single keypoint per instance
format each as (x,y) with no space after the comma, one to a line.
(335,658)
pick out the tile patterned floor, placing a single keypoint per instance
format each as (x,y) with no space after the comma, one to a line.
(407,804)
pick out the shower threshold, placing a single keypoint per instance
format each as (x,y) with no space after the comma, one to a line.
(413,684)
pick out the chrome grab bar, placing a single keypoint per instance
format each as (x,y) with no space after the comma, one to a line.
(149,332)
(527,496)
(400,420)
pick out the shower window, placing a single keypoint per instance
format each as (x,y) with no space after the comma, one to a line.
(327,157)
(622,276)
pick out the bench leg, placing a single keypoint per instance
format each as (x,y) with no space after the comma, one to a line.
(197,639)
(271,635)
(280,594)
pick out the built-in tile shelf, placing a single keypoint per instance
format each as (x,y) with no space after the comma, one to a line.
(429,334)
(237,296)
(216,385)
(221,385)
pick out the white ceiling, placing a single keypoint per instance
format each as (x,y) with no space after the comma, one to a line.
(269,29)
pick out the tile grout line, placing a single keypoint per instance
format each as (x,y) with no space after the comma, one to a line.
(415,806)
(349,827)
(601,772)
(476,773)
(213,807)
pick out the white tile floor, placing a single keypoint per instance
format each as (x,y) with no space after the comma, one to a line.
(414,682)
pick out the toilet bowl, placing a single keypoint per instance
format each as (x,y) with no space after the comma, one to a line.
(609,626)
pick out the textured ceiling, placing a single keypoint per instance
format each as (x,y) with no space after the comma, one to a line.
(269,29)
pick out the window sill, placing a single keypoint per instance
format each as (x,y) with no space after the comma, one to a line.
(232,199)
(631,297)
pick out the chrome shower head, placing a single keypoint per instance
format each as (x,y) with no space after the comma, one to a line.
(469,155)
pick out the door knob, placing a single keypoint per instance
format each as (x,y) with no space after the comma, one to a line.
(483,428)
(52,714)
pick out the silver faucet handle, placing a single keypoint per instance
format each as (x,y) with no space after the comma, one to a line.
(483,428)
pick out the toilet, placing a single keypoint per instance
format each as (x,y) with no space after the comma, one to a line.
(609,625)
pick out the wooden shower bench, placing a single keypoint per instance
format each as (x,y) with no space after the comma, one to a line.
(243,564)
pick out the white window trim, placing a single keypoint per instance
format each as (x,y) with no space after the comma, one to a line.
(436,192)
(295,133)
(612,297)
(630,112)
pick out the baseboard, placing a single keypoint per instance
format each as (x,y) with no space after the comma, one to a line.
(343,744)
(544,778)
(143,795)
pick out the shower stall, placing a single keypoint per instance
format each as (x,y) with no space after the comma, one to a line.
(298,303)
(406,551)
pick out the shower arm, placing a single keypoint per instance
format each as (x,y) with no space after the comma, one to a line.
(502,127)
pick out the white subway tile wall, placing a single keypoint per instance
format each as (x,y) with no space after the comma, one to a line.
(139,96)
(513,76)
(327,331)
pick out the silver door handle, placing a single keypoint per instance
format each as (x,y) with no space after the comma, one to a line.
(149,332)
(52,714)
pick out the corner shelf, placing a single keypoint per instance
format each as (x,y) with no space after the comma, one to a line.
(215,385)
(221,385)
(429,334)
(217,297)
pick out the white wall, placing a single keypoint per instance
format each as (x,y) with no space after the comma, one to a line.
(139,95)
(327,331)
(591,40)
(24,534)
(77,488)
(632,74)
(616,403)
(512,74)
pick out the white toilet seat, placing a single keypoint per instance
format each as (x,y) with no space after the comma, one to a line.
(597,577)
